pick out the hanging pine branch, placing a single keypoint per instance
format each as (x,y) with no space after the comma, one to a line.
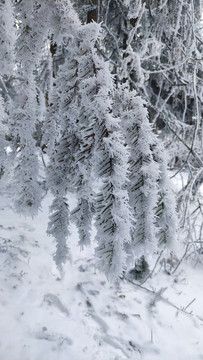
(62,135)
(101,146)
(32,32)
(143,172)
(167,220)
(150,190)
(7,61)
(7,38)
(109,158)
(3,131)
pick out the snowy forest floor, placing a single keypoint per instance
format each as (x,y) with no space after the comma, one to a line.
(82,316)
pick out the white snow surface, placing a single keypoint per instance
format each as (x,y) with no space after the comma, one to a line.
(82,316)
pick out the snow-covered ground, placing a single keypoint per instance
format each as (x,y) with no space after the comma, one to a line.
(82,316)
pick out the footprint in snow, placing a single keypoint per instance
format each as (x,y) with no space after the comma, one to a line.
(60,339)
(53,300)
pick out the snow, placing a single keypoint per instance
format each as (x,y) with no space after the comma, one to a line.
(81,316)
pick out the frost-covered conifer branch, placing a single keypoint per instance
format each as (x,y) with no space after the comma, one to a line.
(105,148)
(3,130)
(7,65)
(150,190)
(7,38)
(166,214)
(144,171)
(66,115)
(86,106)
(60,171)
(32,33)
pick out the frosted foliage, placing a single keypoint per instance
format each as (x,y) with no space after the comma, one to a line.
(103,144)
(64,21)
(70,168)
(59,169)
(112,224)
(27,189)
(134,7)
(74,107)
(88,83)
(28,197)
(113,215)
(61,135)
(35,28)
(150,189)
(82,214)
(3,129)
(143,171)
(51,125)
(7,38)
(69,107)
(62,146)
(24,108)
(57,179)
(58,227)
(96,133)
(166,210)
(24,112)
(49,131)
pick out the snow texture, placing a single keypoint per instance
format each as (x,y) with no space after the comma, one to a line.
(83,316)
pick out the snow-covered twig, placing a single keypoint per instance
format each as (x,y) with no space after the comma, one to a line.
(190,303)
(165,300)
(150,274)
(185,253)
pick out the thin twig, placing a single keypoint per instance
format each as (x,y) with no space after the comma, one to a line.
(162,298)
(150,274)
(190,303)
(185,253)
(43,161)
